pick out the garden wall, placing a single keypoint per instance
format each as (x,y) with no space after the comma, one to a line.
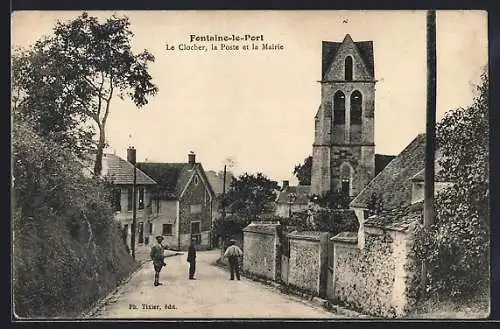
(308,261)
(261,250)
(377,278)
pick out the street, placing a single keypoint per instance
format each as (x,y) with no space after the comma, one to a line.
(212,295)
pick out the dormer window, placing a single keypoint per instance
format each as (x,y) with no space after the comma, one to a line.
(348,68)
(195,180)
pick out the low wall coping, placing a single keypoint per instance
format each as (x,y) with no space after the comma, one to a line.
(305,235)
(346,237)
(262,228)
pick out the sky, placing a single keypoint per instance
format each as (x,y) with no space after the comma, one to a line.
(257,107)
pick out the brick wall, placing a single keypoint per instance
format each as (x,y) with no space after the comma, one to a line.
(374,279)
(261,256)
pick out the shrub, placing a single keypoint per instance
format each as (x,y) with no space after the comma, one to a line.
(67,252)
(456,246)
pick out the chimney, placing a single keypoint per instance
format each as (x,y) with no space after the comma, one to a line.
(191,158)
(131,155)
(285,184)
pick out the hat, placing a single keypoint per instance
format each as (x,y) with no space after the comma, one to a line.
(158,237)
(232,241)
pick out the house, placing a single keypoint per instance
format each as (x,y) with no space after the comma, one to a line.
(182,204)
(120,173)
(292,199)
(216,180)
(400,185)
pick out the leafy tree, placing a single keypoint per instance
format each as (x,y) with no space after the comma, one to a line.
(73,75)
(456,247)
(332,200)
(251,195)
(303,171)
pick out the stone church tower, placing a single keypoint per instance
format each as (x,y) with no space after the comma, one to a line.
(344,148)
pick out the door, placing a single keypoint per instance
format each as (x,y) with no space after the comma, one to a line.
(196,232)
(140,231)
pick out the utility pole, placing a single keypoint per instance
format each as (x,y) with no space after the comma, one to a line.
(224,195)
(430,133)
(132,158)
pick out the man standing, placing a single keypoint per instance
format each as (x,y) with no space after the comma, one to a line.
(191,258)
(233,253)
(158,257)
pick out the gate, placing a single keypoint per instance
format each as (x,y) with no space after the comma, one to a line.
(329,276)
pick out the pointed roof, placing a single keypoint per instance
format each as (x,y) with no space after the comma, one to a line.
(120,171)
(301,191)
(216,179)
(330,49)
(393,184)
(172,178)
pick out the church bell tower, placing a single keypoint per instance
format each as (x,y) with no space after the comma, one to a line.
(344,147)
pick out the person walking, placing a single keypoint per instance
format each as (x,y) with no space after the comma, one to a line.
(158,257)
(191,258)
(233,254)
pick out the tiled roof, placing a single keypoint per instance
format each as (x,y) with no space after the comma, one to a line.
(217,180)
(121,172)
(171,177)
(301,191)
(329,49)
(398,219)
(366,51)
(393,183)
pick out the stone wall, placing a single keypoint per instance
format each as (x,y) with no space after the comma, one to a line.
(374,279)
(195,205)
(308,261)
(261,256)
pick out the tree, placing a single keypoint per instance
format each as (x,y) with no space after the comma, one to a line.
(456,246)
(303,171)
(72,76)
(251,195)
(332,200)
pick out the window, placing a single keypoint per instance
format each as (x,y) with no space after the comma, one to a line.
(117,195)
(345,172)
(166,229)
(195,208)
(195,180)
(150,228)
(130,197)
(348,68)
(125,228)
(196,232)
(356,107)
(141,198)
(339,108)
(345,186)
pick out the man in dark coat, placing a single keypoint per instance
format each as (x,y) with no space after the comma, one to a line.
(158,257)
(191,258)
(233,254)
